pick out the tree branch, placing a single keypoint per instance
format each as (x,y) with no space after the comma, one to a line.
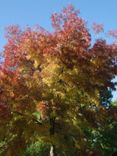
(25,115)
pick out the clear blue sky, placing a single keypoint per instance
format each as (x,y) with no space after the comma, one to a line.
(32,12)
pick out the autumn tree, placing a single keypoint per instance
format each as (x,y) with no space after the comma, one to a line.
(51,84)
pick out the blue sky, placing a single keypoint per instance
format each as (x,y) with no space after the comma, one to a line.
(33,12)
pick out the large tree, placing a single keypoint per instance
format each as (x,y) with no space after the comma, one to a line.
(52,85)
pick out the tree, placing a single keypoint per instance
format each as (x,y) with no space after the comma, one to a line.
(104,138)
(50,84)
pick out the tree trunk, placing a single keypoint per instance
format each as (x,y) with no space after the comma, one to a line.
(52,150)
(52,132)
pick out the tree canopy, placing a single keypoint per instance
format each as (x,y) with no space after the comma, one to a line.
(53,86)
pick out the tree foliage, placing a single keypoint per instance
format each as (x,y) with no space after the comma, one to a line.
(37,149)
(52,84)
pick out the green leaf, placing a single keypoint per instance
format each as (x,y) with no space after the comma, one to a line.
(37,115)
